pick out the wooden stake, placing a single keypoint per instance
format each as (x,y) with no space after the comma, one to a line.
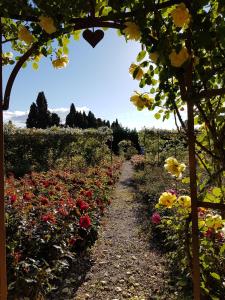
(194,204)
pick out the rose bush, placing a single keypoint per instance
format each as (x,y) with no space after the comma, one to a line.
(50,218)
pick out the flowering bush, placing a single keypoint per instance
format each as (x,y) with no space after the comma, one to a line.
(138,161)
(172,217)
(50,217)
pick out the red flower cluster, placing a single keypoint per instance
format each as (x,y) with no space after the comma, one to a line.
(85,221)
(82,204)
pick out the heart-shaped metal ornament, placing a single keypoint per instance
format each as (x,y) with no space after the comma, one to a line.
(93,37)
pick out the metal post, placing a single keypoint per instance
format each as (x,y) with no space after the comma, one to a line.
(3,278)
(194,203)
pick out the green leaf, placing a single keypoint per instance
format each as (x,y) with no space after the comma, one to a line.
(217,192)
(65,50)
(215,275)
(35,66)
(76,35)
(186,180)
(24,65)
(65,41)
(157,116)
(222,249)
(196,120)
(141,55)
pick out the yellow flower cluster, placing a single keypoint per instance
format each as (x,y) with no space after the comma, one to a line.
(180,15)
(25,35)
(141,101)
(61,62)
(47,24)
(132,31)
(167,199)
(178,59)
(139,73)
(154,56)
(215,222)
(174,167)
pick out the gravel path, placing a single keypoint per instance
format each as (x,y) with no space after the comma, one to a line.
(123,265)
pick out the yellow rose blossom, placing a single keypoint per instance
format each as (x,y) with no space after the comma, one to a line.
(132,31)
(154,56)
(184,201)
(214,222)
(180,15)
(174,167)
(61,62)
(137,101)
(139,74)
(178,59)
(25,35)
(167,199)
(47,24)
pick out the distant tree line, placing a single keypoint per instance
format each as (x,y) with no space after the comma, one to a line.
(40,117)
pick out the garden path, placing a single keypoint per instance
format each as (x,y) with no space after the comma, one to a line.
(123,264)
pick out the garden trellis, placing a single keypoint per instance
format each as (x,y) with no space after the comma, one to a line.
(195,88)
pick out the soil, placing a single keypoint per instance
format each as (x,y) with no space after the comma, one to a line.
(122,264)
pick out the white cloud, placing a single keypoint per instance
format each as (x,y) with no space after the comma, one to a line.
(18,118)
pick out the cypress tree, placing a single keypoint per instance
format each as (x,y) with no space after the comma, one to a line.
(71,117)
(55,119)
(91,120)
(31,121)
(43,114)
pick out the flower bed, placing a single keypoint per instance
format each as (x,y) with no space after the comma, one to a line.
(50,218)
(173,220)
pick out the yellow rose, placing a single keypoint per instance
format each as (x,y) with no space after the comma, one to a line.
(61,62)
(132,31)
(174,167)
(167,199)
(177,59)
(154,56)
(139,73)
(180,15)
(47,24)
(137,101)
(184,201)
(25,35)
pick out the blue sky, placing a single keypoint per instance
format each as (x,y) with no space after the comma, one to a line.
(95,79)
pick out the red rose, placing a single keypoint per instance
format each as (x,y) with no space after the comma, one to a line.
(13,199)
(72,241)
(82,204)
(155,218)
(88,194)
(49,218)
(85,222)
(28,196)
(209,233)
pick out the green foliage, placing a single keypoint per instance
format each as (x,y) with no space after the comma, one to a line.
(24,146)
